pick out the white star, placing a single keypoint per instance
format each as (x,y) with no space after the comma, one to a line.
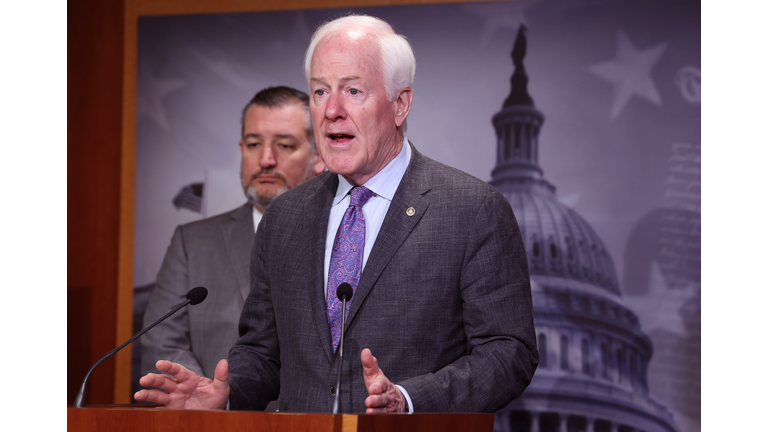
(659,308)
(299,38)
(243,75)
(152,91)
(231,71)
(630,72)
(497,16)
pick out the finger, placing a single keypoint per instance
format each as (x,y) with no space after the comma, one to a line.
(370,364)
(376,401)
(178,371)
(221,377)
(155,396)
(376,411)
(160,381)
(378,385)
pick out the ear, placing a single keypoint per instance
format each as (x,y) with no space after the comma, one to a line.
(403,105)
(318,164)
(242,148)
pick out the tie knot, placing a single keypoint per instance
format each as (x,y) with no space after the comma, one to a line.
(360,195)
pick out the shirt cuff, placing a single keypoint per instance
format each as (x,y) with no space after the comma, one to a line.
(407,398)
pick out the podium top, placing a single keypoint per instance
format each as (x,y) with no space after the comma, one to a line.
(131,418)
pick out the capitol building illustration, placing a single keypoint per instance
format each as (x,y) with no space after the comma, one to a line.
(592,373)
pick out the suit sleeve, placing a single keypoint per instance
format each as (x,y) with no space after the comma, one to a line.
(169,340)
(497,317)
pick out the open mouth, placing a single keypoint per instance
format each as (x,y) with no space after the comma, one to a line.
(340,137)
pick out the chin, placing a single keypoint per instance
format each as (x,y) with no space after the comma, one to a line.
(273,191)
(341,167)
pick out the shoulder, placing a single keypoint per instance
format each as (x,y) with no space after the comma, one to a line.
(215,222)
(321,187)
(447,180)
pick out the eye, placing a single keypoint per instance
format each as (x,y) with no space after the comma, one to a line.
(285,146)
(354,91)
(320,92)
(252,144)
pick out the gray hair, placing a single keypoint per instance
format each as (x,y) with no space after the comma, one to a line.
(398,64)
(280,96)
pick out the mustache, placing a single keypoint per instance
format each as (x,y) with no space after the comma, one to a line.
(268,171)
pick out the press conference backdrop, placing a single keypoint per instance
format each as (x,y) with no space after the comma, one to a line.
(614,238)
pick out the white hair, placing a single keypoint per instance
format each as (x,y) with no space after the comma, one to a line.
(398,64)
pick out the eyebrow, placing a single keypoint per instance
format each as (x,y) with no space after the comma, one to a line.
(281,136)
(342,79)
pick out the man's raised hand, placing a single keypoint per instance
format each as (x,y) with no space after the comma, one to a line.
(383,396)
(186,390)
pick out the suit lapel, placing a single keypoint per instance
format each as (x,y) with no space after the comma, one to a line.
(397,226)
(317,206)
(239,244)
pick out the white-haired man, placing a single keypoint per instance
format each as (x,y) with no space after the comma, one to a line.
(434,256)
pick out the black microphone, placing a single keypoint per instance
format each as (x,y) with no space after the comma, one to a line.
(194,296)
(344,293)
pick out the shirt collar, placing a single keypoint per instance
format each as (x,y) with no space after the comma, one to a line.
(385,182)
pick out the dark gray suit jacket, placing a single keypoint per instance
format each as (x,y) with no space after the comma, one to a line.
(444,301)
(214,253)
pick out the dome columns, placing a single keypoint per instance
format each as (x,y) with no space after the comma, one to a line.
(517,148)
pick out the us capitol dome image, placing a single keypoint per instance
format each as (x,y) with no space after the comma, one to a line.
(592,373)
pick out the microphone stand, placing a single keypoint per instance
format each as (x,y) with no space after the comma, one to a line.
(194,296)
(341,355)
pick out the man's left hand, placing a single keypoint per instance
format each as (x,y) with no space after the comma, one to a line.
(383,396)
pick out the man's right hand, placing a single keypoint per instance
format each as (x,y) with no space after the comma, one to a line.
(188,390)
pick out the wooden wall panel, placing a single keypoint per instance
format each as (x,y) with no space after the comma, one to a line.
(94,119)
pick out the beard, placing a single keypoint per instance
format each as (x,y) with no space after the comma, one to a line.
(262,201)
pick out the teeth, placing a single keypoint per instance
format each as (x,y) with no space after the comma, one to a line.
(336,137)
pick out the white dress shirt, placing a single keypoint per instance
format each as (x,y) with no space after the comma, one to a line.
(256,219)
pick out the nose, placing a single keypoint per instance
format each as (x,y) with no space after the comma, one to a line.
(267,159)
(335,107)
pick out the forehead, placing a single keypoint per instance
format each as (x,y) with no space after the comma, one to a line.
(284,120)
(346,53)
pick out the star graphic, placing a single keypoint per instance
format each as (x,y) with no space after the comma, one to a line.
(630,72)
(152,91)
(300,35)
(659,308)
(498,16)
(244,75)
(230,71)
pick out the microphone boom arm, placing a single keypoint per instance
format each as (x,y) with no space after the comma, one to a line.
(194,296)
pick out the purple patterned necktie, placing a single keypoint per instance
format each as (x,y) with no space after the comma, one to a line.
(346,258)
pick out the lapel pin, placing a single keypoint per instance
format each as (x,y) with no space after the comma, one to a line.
(411,211)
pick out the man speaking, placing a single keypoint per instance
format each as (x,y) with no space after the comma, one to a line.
(441,312)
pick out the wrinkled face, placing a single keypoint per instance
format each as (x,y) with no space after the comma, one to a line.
(356,127)
(276,153)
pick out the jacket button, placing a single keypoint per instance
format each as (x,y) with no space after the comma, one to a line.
(333,391)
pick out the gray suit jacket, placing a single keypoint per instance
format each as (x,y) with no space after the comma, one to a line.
(213,253)
(444,301)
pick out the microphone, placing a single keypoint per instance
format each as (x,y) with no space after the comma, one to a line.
(344,293)
(194,296)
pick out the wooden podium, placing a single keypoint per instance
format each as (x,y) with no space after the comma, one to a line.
(117,418)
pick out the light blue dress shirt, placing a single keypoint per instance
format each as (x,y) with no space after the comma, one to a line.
(383,185)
